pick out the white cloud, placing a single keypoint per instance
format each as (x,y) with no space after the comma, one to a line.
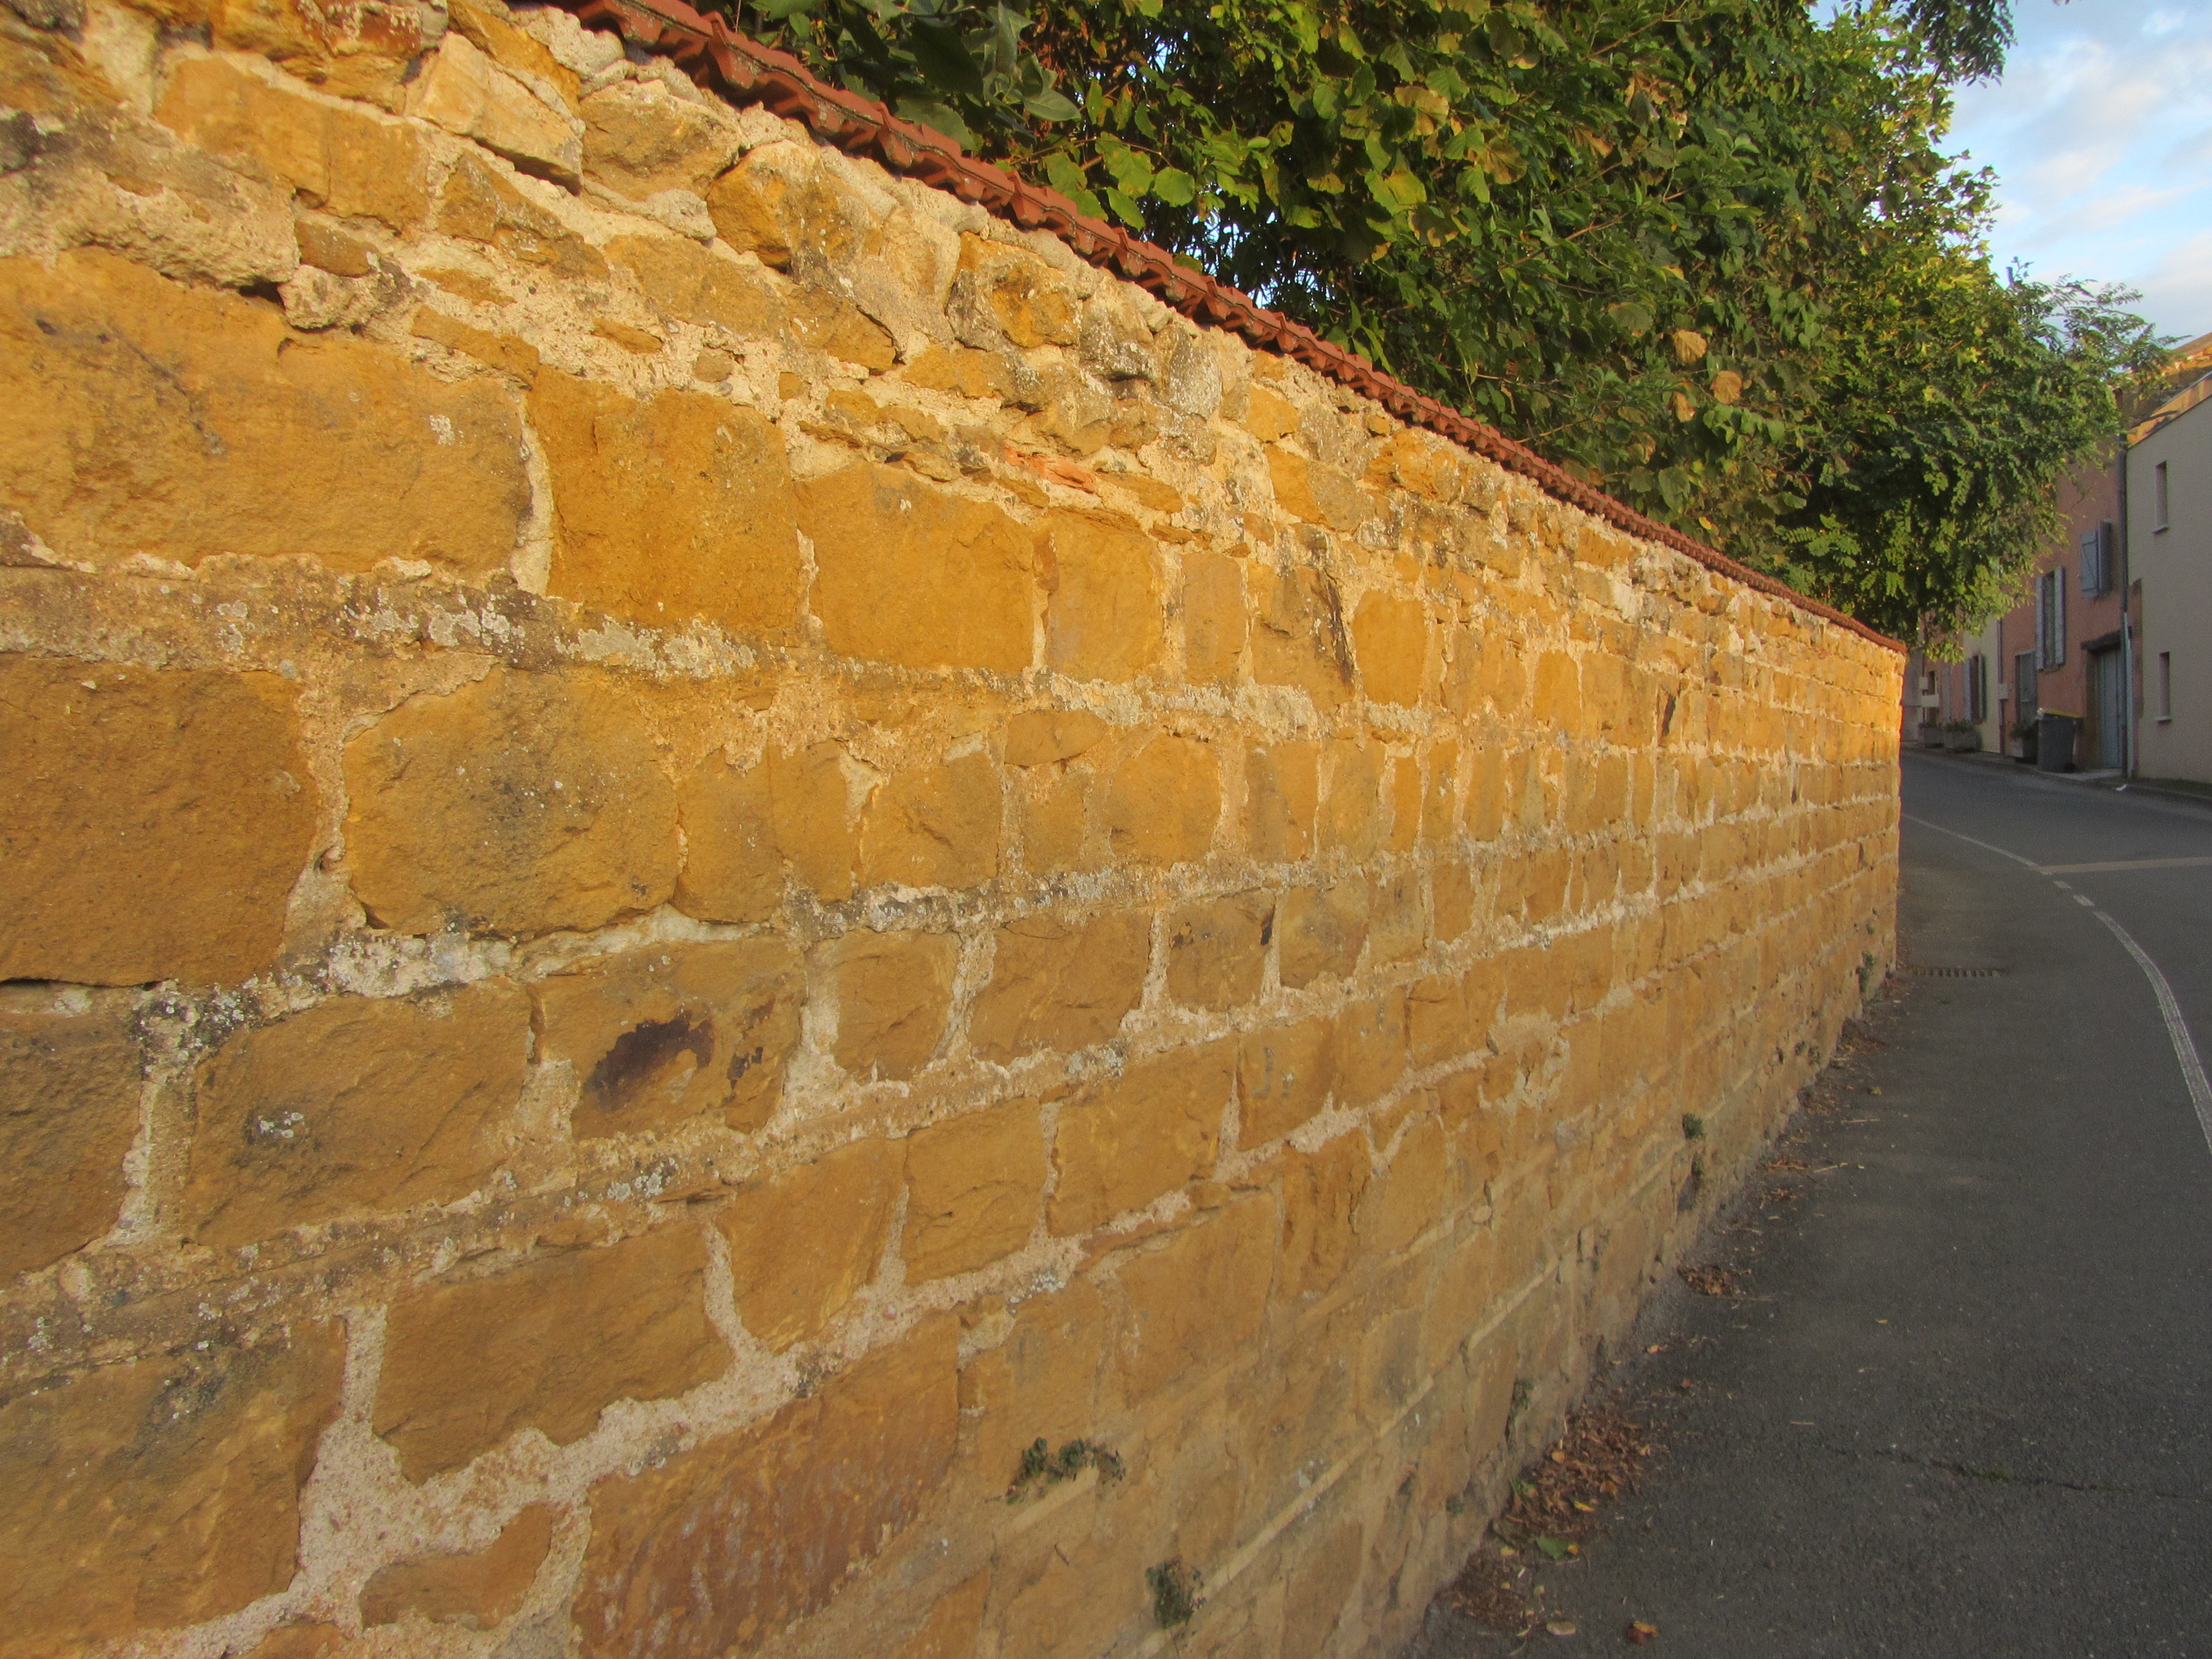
(2101,136)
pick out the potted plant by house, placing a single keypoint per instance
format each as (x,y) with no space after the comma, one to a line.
(1962,737)
(2024,731)
(1931,732)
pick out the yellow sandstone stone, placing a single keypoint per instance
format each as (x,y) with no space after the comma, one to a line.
(803,1244)
(1060,985)
(160,1492)
(330,447)
(975,1185)
(153,823)
(469,1363)
(1123,1141)
(356,1106)
(478,1591)
(516,804)
(672,510)
(894,991)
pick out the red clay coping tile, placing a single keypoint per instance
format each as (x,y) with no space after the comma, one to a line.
(743,71)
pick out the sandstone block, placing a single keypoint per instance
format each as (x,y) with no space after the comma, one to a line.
(1299,637)
(153,823)
(468,94)
(356,1106)
(504,352)
(1042,1382)
(1399,928)
(1165,802)
(720,1548)
(516,804)
(686,283)
(893,994)
(1213,619)
(362,51)
(1319,1590)
(1404,805)
(1044,737)
(478,1591)
(732,870)
(1352,818)
(951,1630)
(973,1187)
(1389,637)
(641,139)
(1217,952)
(660,1036)
(469,1363)
(803,1244)
(964,373)
(1282,785)
(670,510)
(156,418)
(1322,1194)
(1284,1076)
(160,1492)
(1198,1304)
(809,804)
(912,575)
(1315,493)
(1060,985)
(490,28)
(823,322)
(937,826)
(1322,931)
(1123,1141)
(345,162)
(1410,1198)
(1003,295)
(1370,1049)
(1270,416)
(478,205)
(68,1112)
(1102,614)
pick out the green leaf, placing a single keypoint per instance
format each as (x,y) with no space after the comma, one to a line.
(933,113)
(1554,1549)
(1174,187)
(1050,106)
(1630,317)
(1125,209)
(942,57)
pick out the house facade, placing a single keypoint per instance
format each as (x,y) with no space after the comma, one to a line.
(2169,554)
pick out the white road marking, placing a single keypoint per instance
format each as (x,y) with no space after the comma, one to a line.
(2176,1028)
(2124,864)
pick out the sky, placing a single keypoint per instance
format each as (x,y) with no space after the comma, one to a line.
(2101,134)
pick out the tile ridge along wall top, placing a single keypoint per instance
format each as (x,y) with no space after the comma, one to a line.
(745,72)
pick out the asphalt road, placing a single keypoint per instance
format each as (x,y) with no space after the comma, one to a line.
(1964,1406)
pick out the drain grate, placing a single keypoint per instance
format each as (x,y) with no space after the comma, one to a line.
(1955,973)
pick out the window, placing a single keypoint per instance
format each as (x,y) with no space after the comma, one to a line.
(2098,575)
(1978,687)
(2158,518)
(2166,685)
(2050,617)
(2023,685)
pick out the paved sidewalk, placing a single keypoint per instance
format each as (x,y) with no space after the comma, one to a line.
(1966,1406)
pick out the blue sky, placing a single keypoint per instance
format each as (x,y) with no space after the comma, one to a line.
(2101,134)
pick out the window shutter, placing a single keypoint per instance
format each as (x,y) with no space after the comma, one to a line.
(2091,582)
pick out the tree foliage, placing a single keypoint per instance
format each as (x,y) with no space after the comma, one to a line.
(1705,253)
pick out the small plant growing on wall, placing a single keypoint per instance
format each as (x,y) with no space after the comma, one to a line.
(1041,1467)
(1175,1586)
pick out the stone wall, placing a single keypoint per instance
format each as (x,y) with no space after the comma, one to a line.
(698,844)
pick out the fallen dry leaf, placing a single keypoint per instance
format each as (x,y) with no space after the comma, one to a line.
(1639,1632)
(1561,1626)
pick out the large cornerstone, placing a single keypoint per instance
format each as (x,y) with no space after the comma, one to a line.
(742,915)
